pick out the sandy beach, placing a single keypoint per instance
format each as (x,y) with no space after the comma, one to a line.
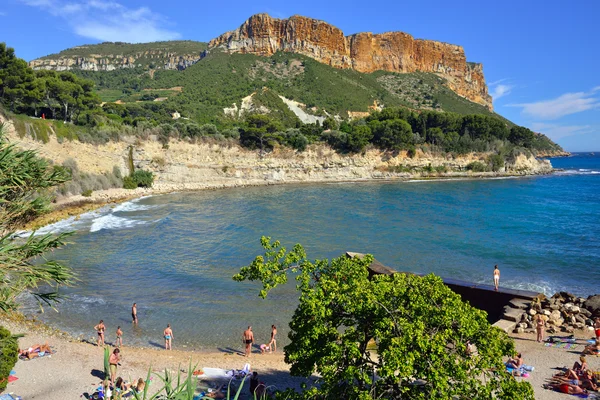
(76,367)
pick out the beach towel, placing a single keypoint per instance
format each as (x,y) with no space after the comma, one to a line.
(561,339)
(215,373)
(7,396)
(561,345)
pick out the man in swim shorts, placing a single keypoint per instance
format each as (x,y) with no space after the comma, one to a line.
(248,338)
(597,329)
(113,361)
(168,333)
(134,313)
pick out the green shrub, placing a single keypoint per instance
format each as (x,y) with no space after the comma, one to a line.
(476,166)
(496,162)
(129,183)
(9,354)
(139,178)
(87,193)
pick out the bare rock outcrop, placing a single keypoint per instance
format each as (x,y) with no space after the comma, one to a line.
(365,52)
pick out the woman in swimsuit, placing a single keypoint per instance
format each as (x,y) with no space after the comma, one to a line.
(273,343)
(168,333)
(540,327)
(100,330)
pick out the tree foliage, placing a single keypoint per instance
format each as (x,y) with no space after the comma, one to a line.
(24,183)
(61,94)
(419,326)
(9,353)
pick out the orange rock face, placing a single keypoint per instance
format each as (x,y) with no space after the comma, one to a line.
(365,52)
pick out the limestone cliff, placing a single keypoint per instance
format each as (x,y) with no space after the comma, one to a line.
(364,52)
(175,55)
(97,62)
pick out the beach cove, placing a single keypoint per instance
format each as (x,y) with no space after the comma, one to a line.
(175,254)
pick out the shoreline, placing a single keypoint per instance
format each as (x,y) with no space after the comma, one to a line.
(74,206)
(76,366)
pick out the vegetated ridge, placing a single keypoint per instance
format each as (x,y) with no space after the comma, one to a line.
(263,35)
(109,56)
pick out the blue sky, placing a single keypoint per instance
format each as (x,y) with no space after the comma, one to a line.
(540,58)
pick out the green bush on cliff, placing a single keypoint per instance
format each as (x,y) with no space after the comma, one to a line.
(476,166)
(139,178)
(9,354)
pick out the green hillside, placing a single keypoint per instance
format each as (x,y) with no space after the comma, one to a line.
(220,79)
(112,49)
(417,110)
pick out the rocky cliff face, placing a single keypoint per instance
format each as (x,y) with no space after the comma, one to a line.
(111,62)
(365,52)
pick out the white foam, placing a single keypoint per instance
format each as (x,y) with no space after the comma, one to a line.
(87,299)
(580,171)
(131,206)
(111,221)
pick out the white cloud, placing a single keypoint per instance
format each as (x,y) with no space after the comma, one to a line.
(556,131)
(499,89)
(566,104)
(108,20)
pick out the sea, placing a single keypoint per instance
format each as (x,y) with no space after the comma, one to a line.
(175,254)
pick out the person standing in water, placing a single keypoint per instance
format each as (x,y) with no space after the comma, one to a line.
(100,328)
(248,338)
(273,343)
(119,341)
(168,333)
(496,277)
(134,313)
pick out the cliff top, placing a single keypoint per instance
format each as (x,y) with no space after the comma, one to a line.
(114,49)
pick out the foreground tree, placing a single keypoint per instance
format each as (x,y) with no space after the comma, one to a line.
(24,183)
(419,327)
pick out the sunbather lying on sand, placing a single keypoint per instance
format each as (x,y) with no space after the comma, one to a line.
(565,388)
(592,349)
(585,381)
(35,350)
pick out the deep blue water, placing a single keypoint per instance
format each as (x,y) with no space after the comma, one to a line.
(175,254)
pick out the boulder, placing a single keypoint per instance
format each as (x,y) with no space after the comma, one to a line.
(592,304)
(567,329)
(585,312)
(519,330)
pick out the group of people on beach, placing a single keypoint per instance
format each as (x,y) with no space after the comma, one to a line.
(100,329)
(248,341)
(576,380)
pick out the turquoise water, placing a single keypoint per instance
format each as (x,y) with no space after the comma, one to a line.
(175,254)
